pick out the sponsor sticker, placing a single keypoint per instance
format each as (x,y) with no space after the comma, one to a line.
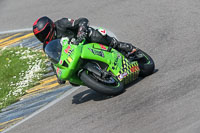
(102,31)
(67,49)
(70,52)
(121,76)
(102,46)
(134,69)
(95,52)
(69,59)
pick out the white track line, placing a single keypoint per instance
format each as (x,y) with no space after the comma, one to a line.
(30,29)
(67,93)
(13,31)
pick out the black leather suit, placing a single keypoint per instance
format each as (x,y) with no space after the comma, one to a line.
(70,28)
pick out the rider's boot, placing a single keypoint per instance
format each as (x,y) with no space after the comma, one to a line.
(127,47)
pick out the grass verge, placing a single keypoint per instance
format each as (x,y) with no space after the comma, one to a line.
(20,69)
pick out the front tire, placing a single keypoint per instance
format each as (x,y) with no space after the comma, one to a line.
(96,85)
(146,65)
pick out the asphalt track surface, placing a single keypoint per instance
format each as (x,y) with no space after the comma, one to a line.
(165,102)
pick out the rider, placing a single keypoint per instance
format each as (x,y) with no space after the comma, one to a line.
(46,30)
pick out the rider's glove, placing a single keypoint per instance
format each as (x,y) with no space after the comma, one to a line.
(77,41)
(82,33)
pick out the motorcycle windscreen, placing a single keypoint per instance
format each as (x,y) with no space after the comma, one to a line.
(53,49)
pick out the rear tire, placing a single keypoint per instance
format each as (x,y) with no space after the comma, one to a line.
(96,85)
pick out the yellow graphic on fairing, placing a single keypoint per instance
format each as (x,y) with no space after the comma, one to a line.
(69,59)
(129,72)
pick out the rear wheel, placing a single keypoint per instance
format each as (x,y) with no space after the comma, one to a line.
(108,85)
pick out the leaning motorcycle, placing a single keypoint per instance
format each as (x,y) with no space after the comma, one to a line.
(97,66)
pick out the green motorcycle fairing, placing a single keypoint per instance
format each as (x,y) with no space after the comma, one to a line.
(70,61)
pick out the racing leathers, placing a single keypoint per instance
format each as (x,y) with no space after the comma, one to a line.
(79,29)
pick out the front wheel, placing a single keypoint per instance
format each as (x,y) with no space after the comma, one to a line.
(146,64)
(111,86)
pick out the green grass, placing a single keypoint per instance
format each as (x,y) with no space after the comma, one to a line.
(20,69)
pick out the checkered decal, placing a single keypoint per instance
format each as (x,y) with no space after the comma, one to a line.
(132,71)
(126,66)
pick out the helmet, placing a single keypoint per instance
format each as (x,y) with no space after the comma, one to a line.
(43,29)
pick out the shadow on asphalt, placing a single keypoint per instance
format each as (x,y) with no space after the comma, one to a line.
(88,95)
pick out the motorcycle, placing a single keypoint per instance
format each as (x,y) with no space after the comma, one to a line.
(97,66)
